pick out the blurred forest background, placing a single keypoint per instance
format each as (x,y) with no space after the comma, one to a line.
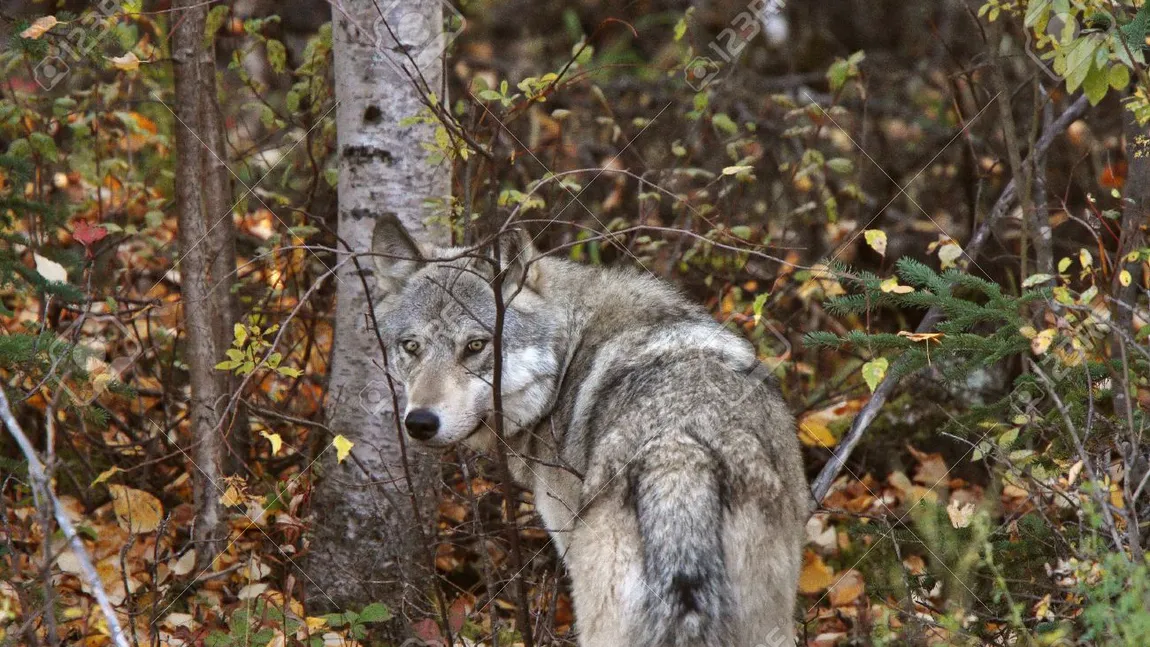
(930,217)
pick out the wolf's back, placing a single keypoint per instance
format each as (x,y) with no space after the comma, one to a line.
(676,491)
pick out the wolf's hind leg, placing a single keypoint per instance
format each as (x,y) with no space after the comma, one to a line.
(605,565)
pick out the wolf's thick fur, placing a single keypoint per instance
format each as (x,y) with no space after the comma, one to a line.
(666,470)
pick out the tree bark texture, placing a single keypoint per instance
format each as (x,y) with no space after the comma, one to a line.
(207,265)
(368,543)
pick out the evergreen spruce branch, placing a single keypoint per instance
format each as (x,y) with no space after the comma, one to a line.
(973,248)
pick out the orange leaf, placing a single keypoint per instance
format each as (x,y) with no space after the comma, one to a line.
(847,588)
(816,575)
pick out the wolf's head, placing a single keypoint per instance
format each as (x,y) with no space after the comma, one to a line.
(438,323)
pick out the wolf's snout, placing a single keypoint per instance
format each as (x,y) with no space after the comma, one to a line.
(422,424)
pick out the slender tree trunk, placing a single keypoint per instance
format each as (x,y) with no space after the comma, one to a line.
(368,539)
(1136,213)
(207,265)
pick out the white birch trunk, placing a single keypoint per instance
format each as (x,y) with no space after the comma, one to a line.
(367,544)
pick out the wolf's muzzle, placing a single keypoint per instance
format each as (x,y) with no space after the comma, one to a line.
(422,424)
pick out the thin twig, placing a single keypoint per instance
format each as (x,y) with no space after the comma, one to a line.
(42,489)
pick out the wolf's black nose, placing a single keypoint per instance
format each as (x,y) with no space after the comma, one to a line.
(422,424)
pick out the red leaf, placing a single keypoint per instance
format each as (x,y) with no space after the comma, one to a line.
(87,234)
(1113,176)
(428,631)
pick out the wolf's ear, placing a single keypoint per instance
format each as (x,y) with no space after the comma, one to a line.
(519,259)
(397,256)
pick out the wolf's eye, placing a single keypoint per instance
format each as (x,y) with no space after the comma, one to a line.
(476,345)
(411,346)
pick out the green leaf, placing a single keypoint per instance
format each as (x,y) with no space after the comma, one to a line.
(841,165)
(724,123)
(1008,438)
(44,145)
(20,148)
(375,612)
(837,74)
(241,334)
(277,55)
(874,371)
(757,306)
(1095,85)
(340,619)
(215,20)
(1079,57)
(1118,77)
(741,231)
(1036,10)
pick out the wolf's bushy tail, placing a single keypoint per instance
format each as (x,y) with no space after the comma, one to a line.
(676,488)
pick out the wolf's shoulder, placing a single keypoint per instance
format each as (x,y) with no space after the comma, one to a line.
(619,298)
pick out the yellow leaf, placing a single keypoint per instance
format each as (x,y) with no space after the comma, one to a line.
(814,426)
(136,510)
(921,336)
(1041,342)
(231,496)
(342,448)
(891,285)
(876,238)
(127,62)
(105,475)
(274,439)
(39,28)
(735,170)
(874,371)
(1042,610)
(1075,470)
(1085,258)
(1124,278)
(816,575)
(960,513)
(1116,496)
(815,433)
(948,254)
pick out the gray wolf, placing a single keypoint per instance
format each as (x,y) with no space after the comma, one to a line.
(666,470)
